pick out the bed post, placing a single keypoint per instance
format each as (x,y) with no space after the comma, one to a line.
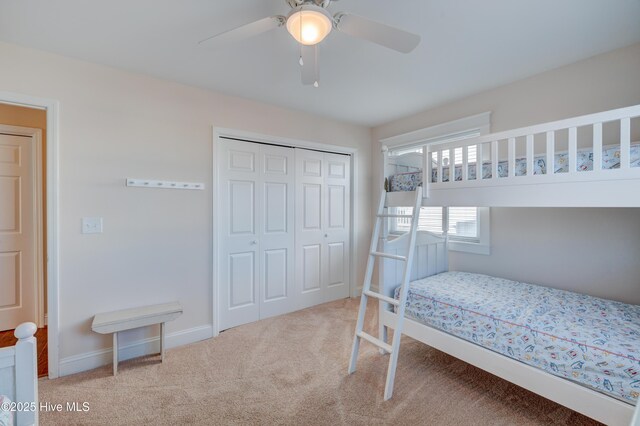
(26,373)
(426,172)
(384,150)
(382,329)
(446,253)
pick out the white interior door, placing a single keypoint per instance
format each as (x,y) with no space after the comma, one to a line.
(257,233)
(18,245)
(322,226)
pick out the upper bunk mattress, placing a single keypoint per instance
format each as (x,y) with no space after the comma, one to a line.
(591,341)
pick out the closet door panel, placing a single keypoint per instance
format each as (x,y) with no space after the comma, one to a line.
(238,289)
(322,227)
(242,281)
(312,207)
(337,207)
(336,257)
(276,207)
(275,274)
(242,207)
(310,212)
(337,226)
(311,264)
(276,236)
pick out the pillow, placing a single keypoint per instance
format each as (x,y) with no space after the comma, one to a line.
(405,181)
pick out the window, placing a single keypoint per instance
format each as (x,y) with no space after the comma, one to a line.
(467,227)
(461,223)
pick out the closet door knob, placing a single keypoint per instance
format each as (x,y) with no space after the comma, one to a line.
(326,235)
(253,243)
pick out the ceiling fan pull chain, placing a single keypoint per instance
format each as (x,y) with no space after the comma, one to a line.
(315,83)
(301,60)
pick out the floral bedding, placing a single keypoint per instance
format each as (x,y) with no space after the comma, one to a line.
(591,341)
(405,181)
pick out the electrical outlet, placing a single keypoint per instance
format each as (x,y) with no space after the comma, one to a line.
(92,225)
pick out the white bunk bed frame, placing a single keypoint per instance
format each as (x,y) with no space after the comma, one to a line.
(431,258)
(596,188)
(19,375)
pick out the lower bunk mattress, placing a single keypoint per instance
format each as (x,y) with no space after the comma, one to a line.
(588,340)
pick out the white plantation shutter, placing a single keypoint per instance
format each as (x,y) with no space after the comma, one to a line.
(431,219)
(461,222)
(401,225)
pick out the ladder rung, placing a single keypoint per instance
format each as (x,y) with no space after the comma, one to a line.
(389,256)
(397,216)
(379,343)
(379,296)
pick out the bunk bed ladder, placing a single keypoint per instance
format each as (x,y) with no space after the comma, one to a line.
(400,304)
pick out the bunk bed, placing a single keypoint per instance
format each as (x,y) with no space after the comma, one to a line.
(19,379)
(580,351)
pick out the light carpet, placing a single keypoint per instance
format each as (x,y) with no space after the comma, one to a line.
(291,370)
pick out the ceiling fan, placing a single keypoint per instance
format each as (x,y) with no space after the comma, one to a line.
(309,22)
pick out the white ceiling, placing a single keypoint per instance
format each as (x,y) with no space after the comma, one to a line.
(467,46)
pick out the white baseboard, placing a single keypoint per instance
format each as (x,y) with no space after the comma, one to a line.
(90,360)
(356,292)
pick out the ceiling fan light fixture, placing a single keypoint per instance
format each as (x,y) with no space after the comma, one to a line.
(309,24)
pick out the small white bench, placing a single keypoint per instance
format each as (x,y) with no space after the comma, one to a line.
(127,319)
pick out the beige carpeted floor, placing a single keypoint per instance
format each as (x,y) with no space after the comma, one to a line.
(292,370)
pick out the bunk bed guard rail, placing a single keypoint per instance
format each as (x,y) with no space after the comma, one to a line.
(514,156)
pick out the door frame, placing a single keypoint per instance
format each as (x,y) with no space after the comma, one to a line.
(35,139)
(52,107)
(220,132)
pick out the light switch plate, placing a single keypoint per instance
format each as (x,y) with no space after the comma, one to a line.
(92,225)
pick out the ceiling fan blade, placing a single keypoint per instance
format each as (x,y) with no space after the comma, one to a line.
(382,34)
(309,65)
(244,31)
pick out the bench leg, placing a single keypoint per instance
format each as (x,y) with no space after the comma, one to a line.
(161,342)
(115,353)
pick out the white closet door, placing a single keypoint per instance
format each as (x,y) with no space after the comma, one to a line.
(257,235)
(277,231)
(322,226)
(310,213)
(337,229)
(239,273)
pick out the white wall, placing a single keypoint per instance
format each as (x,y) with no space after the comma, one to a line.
(156,245)
(593,251)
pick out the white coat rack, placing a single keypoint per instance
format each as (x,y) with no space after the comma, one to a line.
(164,184)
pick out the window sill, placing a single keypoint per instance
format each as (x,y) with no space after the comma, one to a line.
(473,248)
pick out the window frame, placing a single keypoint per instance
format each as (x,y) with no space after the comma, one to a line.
(472,126)
(479,245)
(483,245)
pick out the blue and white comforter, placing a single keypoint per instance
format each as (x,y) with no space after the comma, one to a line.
(592,341)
